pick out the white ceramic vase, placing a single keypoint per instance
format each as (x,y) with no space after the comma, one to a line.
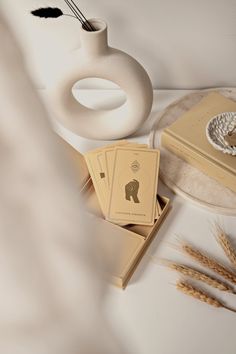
(96,59)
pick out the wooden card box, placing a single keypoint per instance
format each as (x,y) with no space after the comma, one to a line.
(122,247)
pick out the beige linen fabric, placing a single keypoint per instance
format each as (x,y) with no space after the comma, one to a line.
(51,288)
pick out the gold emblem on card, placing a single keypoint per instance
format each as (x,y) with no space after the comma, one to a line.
(135,166)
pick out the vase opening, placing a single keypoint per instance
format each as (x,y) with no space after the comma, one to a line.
(98,24)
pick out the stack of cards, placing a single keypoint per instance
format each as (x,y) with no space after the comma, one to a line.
(125,178)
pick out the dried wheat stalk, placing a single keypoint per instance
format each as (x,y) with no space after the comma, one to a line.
(226,245)
(209,262)
(207,279)
(188,289)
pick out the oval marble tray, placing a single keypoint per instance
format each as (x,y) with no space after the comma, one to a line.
(178,175)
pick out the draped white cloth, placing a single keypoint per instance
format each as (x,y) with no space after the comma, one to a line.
(51,288)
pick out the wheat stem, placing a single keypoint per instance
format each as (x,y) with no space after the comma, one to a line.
(209,262)
(203,296)
(229,308)
(205,278)
(226,245)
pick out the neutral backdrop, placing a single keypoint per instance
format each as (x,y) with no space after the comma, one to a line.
(181,43)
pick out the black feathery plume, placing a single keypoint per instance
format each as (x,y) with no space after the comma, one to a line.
(48,12)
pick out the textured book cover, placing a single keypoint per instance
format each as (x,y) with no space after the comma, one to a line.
(186,137)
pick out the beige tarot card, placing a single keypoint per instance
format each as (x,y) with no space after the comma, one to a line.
(98,172)
(103,168)
(98,182)
(134,186)
(110,157)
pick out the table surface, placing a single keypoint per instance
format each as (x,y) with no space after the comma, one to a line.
(151,316)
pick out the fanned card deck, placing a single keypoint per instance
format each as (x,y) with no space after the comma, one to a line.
(106,190)
(125,178)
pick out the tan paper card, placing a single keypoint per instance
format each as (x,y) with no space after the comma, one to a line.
(134,186)
(110,157)
(96,174)
(103,167)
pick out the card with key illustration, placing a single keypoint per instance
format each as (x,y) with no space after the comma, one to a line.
(134,186)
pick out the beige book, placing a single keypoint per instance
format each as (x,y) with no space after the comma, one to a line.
(187,139)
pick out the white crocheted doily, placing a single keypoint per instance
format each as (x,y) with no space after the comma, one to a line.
(218,128)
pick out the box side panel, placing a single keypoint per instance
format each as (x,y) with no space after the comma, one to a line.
(147,242)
